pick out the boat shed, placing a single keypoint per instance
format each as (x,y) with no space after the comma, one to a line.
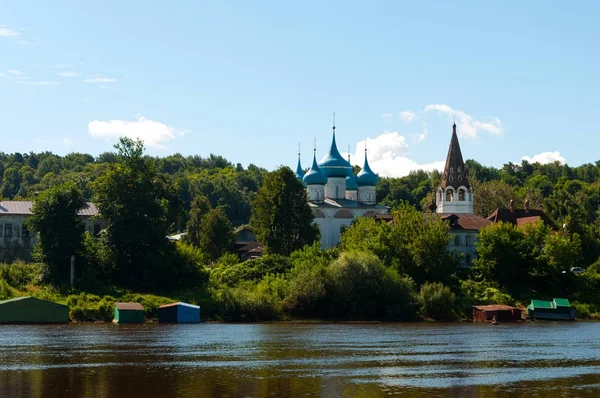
(32,310)
(503,313)
(179,313)
(129,313)
(557,309)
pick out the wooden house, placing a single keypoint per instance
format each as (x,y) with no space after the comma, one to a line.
(129,313)
(502,313)
(179,313)
(32,310)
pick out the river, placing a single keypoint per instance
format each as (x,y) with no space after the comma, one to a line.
(543,359)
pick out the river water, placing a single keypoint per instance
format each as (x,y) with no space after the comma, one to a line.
(543,359)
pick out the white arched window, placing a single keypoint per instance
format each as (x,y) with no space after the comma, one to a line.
(449,195)
(451,169)
(461,194)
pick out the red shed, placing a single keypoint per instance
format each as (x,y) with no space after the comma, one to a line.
(503,313)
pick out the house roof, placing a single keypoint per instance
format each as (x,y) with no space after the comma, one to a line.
(129,306)
(465,221)
(23,207)
(452,177)
(23,298)
(494,307)
(521,217)
(179,304)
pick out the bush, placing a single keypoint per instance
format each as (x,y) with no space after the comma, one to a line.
(21,274)
(5,290)
(246,303)
(362,288)
(250,270)
(437,301)
(583,310)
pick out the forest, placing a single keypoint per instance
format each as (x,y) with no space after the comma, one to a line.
(399,271)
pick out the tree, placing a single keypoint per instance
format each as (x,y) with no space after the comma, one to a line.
(200,207)
(437,301)
(216,233)
(139,206)
(281,218)
(55,219)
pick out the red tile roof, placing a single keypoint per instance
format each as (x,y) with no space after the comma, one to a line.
(465,221)
(494,307)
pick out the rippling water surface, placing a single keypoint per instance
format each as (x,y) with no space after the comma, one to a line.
(297,360)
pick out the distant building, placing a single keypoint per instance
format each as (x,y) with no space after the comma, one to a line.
(16,241)
(454,204)
(337,196)
(520,217)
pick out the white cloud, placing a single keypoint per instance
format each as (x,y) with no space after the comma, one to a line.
(422,136)
(387,156)
(408,116)
(386,116)
(467,126)
(67,142)
(2,75)
(545,158)
(68,74)
(15,72)
(153,133)
(100,80)
(6,32)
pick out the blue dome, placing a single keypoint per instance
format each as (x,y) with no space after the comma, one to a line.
(300,171)
(315,176)
(333,164)
(351,184)
(366,177)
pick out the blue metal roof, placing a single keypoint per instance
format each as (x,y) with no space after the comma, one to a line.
(333,164)
(366,177)
(315,176)
(300,171)
(351,184)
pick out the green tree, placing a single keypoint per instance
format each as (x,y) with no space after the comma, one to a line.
(55,219)
(437,301)
(139,206)
(281,217)
(216,233)
(200,207)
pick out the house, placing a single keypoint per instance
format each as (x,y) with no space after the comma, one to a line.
(128,313)
(557,309)
(336,195)
(502,313)
(32,310)
(179,313)
(454,204)
(16,241)
(520,217)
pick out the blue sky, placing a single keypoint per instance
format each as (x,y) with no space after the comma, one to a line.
(249,80)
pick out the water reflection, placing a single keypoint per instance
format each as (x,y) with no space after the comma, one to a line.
(292,360)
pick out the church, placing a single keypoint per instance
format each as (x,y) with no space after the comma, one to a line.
(336,195)
(454,204)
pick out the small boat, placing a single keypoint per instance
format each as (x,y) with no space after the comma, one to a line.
(495,323)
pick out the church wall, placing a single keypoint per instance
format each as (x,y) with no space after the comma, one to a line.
(335,188)
(331,227)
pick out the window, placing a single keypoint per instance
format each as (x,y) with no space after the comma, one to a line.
(468,259)
(451,170)
(467,240)
(451,178)
(25,232)
(457,240)
(8,230)
(449,195)
(458,169)
(460,177)
(461,194)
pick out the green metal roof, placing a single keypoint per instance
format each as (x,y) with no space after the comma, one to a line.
(14,299)
(561,302)
(541,304)
(366,177)
(333,164)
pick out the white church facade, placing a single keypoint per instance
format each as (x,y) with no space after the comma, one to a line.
(336,195)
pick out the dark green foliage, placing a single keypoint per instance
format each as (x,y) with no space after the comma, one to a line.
(216,234)
(200,207)
(281,218)
(250,270)
(437,301)
(57,224)
(139,206)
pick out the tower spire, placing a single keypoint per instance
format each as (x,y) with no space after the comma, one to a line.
(455,174)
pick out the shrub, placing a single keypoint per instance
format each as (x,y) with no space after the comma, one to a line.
(246,303)
(437,301)
(20,274)
(5,290)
